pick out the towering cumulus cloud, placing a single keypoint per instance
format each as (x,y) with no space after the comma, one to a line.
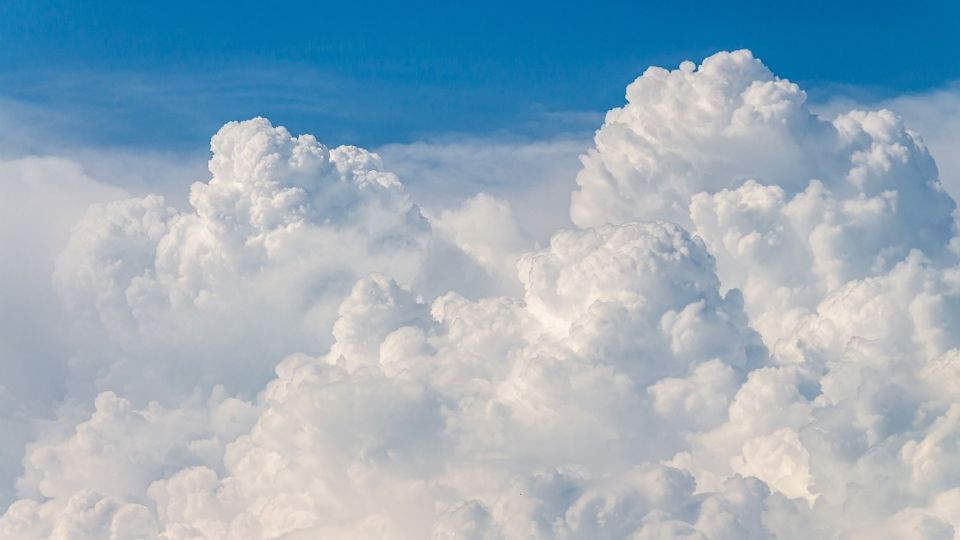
(753,333)
(255,270)
(791,205)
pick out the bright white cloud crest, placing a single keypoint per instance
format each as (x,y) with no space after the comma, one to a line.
(752,333)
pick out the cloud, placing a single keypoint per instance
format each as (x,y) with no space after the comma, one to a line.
(749,332)
(40,199)
(932,114)
(278,235)
(534,176)
(791,204)
(413,402)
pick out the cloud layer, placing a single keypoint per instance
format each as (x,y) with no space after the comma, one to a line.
(751,332)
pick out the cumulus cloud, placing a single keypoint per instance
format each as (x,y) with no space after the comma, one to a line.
(792,205)
(933,113)
(749,333)
(535,176)
(40,199)
(253,270)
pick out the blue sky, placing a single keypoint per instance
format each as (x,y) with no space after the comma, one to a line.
(370,73)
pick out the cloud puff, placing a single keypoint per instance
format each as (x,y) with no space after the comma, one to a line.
(33,345)
(750,334)
(792,205)
(256,269)
(422,408)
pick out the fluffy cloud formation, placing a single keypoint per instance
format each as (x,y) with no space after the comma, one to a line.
(451,407)
(33,348)
(792,205)
(274,240)
(751,334)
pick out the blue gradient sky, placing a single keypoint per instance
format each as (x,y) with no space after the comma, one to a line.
(168,74)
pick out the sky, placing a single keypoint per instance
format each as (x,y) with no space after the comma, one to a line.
(371,73)
(479,271)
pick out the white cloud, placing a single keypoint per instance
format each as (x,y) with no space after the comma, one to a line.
(933,114)
(750,333)
(416,409)
(791,204)
(535,176)
(255,269)
(40,199)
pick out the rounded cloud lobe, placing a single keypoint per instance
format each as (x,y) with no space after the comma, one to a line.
(256,270)
(751,334)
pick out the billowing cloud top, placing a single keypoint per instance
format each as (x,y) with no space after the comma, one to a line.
(753,332)
(275,239)
(790,204)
